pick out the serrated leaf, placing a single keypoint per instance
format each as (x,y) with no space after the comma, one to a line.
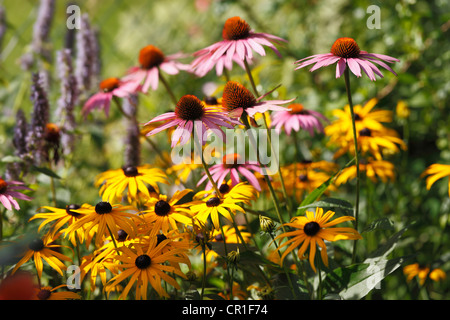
(331,203)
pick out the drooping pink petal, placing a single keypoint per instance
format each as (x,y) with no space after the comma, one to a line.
(354,67)
(340,67)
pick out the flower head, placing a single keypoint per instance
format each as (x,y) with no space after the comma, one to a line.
(312,230)
(435,172)
(239,42)
(234,166)
(148,266)
(423,272)
(151,62)
(108,89)
(134,179)
(237,99)
(192,114)
(296,118)
(9,191)
(346,52)
(374,170)
(49,293)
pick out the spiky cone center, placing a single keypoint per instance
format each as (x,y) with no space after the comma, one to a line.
(189,107)
(235,28)
(143,261)
(52,132)
(296,108)
(235,96)
(150,56)
(231,160)
(345,48)
(311,228)
(3,185)
(109,84)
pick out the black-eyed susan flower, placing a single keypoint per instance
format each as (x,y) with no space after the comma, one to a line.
(213,207)
(311,231)
(144,267)
(49,293)
(345,53)
(435,172)
(163,214)
(402,110)
(365,117)
(423,272)
(58,218)
(229,236)
(105,219)
(134,179)
(374,169)
(43,249)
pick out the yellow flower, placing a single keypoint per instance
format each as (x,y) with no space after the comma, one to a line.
(312,230)
(114,182)
(105,219)
(48,293)
(163,214)
(147,267)
(373,169)
(422,272)
(365,117)
(402,110)
(435,172)
(43,249)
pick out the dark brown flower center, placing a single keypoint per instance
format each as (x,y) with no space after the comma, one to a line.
(224,188)
(160,238)
(71,207)
(219,237)
(235,28)
(297,108)
(303,177)
(345,48)
(143,261)
(213,202)
(3,185)
(103,207)
(44,294)
(212,101)
(365,132)
(130,171)
(235,95)
(36,244)
(231,160)
(311,228)
(150,56)
(109,84)
(189,107)
(52,132)
(162,208)
(121,235)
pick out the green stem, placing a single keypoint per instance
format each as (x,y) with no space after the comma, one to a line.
(113,240)
(169,90)
(119,106)
(250,77)
(204,271)
(355,141)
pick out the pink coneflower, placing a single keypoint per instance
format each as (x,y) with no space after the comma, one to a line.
(237,99)
(8,191)
(151,61)
(233,165)
(108,89)
(345,52)
(191,112)
(203,64)
(298,118)
(238,39)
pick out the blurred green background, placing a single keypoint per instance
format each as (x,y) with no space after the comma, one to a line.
(416,32)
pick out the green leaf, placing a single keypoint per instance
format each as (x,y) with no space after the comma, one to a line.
(10,159)
(380,224)
(46,171)
(332,203)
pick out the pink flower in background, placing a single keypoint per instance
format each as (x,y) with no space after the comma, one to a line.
(151,61)
(8,191)
(345,52)
(233,165)
(298,118)
(108,89)
(239,42)
(202,64)
(191,112)
(237,99)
